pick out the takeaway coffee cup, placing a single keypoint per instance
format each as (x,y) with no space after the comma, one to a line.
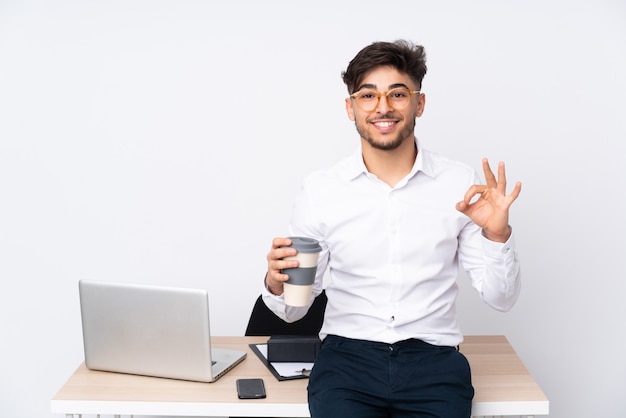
(297,290)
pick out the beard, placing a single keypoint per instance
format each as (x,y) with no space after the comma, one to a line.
(393,142)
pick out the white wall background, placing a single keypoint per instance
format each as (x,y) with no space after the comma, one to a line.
(163,141)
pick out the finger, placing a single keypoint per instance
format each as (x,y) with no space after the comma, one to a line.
(280,242)
(490,178)
(275,279)
(476,189)
(280,253)
(501,178)
(462,207)
(516,191)
(275,269)
(280,249)
(276,276)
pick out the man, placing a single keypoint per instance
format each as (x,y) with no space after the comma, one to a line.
(393,232)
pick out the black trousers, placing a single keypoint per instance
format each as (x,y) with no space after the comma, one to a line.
(411,378)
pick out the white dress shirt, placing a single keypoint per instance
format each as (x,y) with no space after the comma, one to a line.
(392,254)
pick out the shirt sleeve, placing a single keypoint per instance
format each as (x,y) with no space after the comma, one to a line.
(493,267)
(303,223)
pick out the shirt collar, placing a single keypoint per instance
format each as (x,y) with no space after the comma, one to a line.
(356,166)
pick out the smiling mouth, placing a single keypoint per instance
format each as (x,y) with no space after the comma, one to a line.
(384,125)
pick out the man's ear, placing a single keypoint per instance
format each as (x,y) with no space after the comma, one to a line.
(421,104)
(350,109)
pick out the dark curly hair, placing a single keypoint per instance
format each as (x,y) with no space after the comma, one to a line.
(404,56)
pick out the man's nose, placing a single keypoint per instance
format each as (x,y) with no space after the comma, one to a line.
(383,104)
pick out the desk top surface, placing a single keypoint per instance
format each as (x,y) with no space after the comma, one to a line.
(503,386)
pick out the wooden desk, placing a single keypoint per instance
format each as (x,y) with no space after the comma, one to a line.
(502,384)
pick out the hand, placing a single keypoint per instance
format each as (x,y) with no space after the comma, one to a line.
(274,278)
(491,210)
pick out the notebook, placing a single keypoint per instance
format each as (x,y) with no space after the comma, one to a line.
(151,330)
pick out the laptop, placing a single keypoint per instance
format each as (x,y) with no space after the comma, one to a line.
(152,331)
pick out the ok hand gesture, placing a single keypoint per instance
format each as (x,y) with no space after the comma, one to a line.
(491,210)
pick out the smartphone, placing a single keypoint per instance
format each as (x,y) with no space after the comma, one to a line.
(250,388)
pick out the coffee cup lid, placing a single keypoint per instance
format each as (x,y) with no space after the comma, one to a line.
(305,244)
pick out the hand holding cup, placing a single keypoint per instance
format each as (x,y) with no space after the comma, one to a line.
(300,266)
